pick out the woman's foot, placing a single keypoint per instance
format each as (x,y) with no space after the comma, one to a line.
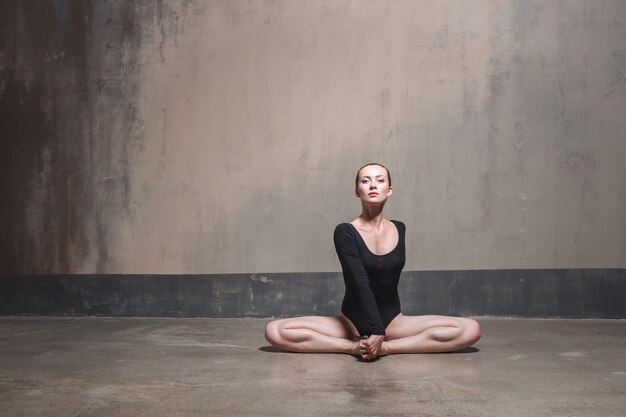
(355,351)
(384,349)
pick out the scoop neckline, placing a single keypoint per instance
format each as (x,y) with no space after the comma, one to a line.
(367,247)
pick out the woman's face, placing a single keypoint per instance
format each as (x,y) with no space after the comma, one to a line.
(373,185)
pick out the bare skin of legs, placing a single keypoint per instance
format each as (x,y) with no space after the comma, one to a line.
(405,334)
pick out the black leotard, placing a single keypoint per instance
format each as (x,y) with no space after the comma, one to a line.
(371,300)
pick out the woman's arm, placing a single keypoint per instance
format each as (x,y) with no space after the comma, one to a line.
(356,276)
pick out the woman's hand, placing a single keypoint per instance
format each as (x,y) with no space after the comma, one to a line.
(370,347)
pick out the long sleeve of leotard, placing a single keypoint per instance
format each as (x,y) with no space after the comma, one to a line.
(356,276)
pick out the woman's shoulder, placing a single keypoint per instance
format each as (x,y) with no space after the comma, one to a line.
(343,234)
(342,227)
(399,224)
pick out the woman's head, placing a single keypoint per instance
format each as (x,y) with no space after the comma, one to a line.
(358,173)
(373,183)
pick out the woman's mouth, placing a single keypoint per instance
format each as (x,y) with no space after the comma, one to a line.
(373,194)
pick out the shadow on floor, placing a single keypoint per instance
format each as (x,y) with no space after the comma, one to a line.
(273,349)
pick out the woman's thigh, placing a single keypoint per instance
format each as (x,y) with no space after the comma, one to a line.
(405,326)
(333,326)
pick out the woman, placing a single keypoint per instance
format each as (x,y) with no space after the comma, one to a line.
(372,254)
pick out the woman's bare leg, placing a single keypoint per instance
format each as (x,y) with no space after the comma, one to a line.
(421,334)
(312,334)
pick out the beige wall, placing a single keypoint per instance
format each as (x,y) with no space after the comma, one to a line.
(232,131)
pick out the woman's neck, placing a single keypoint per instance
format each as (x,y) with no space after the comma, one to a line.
(372,216)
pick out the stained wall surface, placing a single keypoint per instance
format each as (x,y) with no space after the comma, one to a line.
(223,136)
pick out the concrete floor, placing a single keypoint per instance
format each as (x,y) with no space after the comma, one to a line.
(223,367)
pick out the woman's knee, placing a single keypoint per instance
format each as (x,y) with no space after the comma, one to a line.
(472,332)
(272,333)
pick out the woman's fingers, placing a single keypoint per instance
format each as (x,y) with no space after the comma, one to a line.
(371,348)
(366,352)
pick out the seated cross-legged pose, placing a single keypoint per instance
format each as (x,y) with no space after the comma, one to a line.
(372,254)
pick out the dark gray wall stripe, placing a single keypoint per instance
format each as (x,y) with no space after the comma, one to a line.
(570,293)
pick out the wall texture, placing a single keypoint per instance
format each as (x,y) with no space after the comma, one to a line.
(214,137)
